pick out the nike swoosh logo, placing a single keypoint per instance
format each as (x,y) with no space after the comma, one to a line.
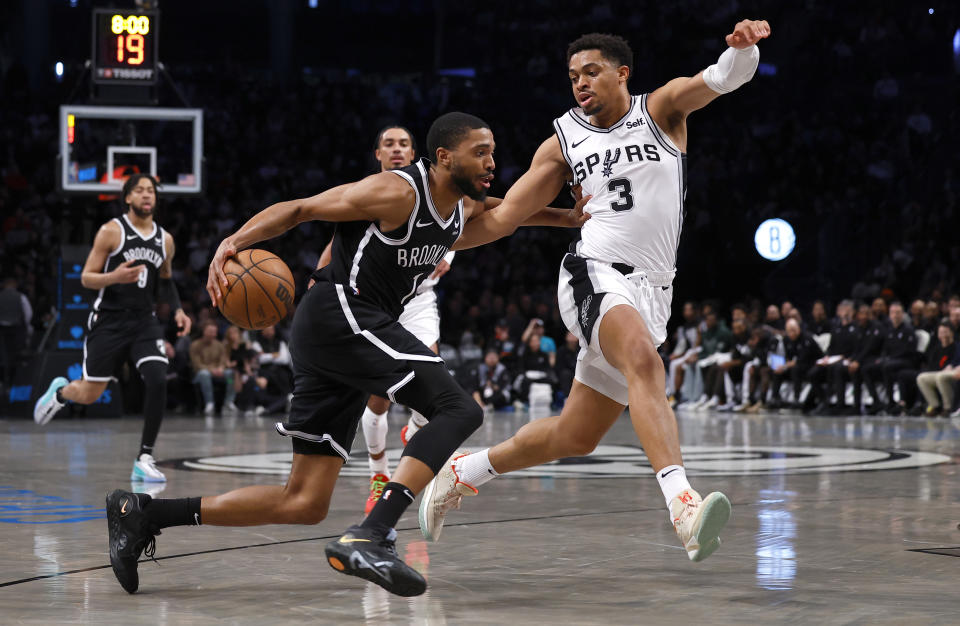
(351,540)
(196,519)
(123,507)
(664,475)
(574,145)
(425,224)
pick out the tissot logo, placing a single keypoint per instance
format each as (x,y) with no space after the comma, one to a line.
(616,461)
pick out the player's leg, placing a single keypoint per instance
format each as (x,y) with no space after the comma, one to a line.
(627,344)
(422,318)
(150,359)
(134,519)
(416,421)
(374,424)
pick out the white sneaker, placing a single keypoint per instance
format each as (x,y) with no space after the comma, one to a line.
(47,405)
(145,469)
(955,413)
(208,409)
(740,408)
(698,522)
(231,408)
(708,404)
(442,494)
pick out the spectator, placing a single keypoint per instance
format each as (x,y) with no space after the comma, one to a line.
(880,312)
(500,341)
(869,345)
(493,382)
(535,367)
(274,360)
(773,319)
(833,369)
(931,317)
(15,328)
(731,369)
(547,345)
(210,362)
(716,340)
(819,323)
(756,373)
(898,352)
(801,353)
(685,347)
(566,368)
(954,319)
(941,372)
(917,308)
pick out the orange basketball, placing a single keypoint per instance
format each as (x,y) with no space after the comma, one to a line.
(259,289)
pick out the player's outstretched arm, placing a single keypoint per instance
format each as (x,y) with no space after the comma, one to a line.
(384,197)
(528,196)
(736,66)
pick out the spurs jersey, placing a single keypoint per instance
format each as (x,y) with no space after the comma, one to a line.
(147,252)
(388,268)
(638,181)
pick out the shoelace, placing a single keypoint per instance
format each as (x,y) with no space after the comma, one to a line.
(377,489)
(150,545)
(689,509)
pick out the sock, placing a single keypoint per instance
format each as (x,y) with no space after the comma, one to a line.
(172,511)
(387,511)
(374,431)
(144,449)
(379,466)
(475,469)
(673,480)
(417,421)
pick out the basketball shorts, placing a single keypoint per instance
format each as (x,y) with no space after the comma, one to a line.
(343,349)
(114,337)
(587,290)
(421,317)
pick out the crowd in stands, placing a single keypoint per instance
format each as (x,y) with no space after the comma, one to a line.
(907,359)
(867,177)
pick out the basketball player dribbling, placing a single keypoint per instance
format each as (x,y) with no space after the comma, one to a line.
(396,149)
(346,344)
(130,264)
(628,154)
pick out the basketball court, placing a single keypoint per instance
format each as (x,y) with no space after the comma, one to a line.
(835,520)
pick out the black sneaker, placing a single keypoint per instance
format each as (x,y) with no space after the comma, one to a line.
(131,534)
(372,555)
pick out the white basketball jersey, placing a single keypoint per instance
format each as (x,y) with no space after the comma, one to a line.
(637,178)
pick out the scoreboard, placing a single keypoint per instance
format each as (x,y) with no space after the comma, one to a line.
(125,47)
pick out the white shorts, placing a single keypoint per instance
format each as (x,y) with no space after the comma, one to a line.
(587,290)
(421,317)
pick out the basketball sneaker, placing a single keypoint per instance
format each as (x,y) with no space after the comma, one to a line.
(145,469)
(698,521)
(443,493)
(371,554)
(48,405)
(377,483)
(131,534)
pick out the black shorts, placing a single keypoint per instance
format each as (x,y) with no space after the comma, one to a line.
(343,349)
(116,336)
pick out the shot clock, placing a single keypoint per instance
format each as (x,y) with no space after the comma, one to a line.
(125,46)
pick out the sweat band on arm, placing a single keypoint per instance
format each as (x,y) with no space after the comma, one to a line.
(733,69)
(167,292)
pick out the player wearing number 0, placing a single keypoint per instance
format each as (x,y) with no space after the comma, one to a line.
(395,149)
(130,266)
(628,153)
(347,344)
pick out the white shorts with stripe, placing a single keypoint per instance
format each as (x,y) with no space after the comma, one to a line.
(587,290)
(421,317)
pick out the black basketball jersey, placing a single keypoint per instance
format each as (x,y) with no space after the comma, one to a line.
(387,268)
(147,252)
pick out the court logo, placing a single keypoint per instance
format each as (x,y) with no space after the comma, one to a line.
(616,461)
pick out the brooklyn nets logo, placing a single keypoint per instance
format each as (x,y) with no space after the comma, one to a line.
(628,462)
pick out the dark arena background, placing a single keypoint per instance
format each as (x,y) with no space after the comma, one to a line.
(821,228)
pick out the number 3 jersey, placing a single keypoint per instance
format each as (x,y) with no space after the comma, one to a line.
(637,178)
(146,252)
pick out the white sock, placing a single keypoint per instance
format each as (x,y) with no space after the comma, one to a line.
(417,421)
(673,481)
(475,469)
(374,431)
(379,466)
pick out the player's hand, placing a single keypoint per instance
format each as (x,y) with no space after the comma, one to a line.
(442,268)
(748,32)
(127,272)
(216,279)
(577,215)
(184,323)
(853,367)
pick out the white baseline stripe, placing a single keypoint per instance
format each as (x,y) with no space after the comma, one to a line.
(376,341)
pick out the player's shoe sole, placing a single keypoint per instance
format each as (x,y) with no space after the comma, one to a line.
(716,514)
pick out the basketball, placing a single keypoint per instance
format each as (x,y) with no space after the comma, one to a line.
(259,289)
